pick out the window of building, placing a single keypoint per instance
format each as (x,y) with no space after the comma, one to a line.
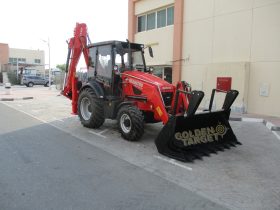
(170,16)
(157,19)
(16,61)
(151,21)
(141,23)
(21,60)
(37,61)
(161,18)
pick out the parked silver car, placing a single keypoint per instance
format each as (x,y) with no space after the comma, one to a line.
(30,81)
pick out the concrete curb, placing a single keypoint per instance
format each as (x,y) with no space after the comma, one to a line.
(268,124)
(16,99)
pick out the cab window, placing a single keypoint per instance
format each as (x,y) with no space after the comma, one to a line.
(104,61)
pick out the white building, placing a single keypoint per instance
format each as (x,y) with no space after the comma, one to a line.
(33,61)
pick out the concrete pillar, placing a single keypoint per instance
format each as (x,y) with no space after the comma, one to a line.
(177,40)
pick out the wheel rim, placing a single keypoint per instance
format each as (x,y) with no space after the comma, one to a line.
(85,108)
(125,123)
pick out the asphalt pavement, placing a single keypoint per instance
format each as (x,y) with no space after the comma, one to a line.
(43,167)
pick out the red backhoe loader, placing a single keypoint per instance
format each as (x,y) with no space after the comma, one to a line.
(120,86)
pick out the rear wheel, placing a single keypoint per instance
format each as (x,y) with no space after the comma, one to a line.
(90,109)
(130,122)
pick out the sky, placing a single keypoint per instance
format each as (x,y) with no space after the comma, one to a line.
(25,23)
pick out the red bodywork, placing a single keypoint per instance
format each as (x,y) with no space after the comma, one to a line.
(150,86)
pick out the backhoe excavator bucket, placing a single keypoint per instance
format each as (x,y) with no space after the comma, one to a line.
(191,137)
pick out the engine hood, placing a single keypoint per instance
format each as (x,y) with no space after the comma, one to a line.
(150,78)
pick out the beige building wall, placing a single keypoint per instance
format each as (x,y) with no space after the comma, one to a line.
(240,39)
(144,6)
(161,42)
(30,56)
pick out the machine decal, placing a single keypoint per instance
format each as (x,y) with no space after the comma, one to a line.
(136,83)
(159,111)
(166,88)
(202,135)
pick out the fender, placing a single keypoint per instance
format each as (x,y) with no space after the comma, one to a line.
(93,84)
(123,104)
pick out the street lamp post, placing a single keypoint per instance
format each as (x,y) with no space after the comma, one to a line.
(48,42)
(49,62)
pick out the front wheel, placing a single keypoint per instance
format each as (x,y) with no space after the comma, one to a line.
(130,122)
(90,109)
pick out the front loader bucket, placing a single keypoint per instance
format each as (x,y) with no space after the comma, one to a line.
(197,135)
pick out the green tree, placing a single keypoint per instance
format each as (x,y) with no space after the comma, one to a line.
(62,67)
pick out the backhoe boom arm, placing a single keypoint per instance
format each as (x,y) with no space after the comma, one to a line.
(76,46)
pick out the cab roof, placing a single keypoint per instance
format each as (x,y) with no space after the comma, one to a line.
(117,43)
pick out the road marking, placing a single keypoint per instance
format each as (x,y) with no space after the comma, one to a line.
(70,117)
(55,119)
(269,126)
(103,131)
(276,134)
(98,134)
(174,162)
(37,110)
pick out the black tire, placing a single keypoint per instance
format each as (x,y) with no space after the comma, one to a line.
(130,122)
(95,108)
(47,84)
(30,84)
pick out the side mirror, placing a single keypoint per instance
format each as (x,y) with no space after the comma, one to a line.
(151,52)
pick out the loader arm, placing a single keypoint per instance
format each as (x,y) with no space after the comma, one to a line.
(76,46)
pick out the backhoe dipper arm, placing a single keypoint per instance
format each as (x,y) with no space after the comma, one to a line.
(76,46)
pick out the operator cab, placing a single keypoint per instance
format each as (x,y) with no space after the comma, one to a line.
(107,60)
(129,56)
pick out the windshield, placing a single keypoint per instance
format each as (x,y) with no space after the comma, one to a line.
(137,60)
(122,59)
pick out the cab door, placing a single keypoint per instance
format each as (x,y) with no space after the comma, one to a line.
(104,67)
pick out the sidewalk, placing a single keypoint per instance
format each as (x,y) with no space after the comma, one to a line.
(18,92)
(272,123)
(272,119)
